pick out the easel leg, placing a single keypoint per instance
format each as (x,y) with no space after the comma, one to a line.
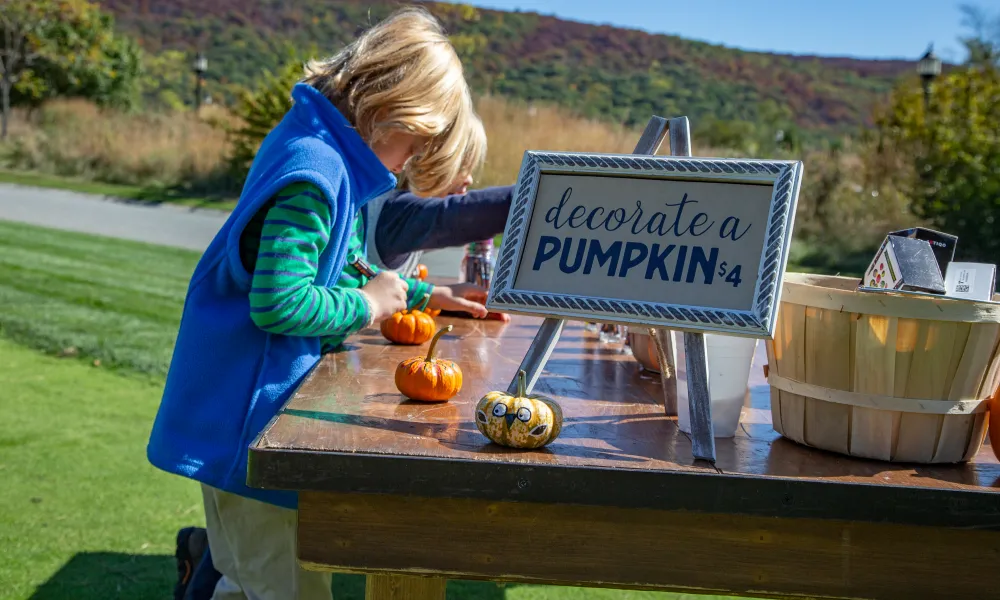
(402,587)
(538,353)
(695,353)
(699,400)
(663,341)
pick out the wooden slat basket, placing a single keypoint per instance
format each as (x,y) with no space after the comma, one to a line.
(892,377)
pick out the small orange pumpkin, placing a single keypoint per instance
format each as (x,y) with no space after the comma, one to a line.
(427,378)
(422,271)
(409,327)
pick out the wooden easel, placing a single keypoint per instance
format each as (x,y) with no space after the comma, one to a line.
(699,403)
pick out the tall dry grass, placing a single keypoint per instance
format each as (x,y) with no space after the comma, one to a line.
(513,127)
(76,138)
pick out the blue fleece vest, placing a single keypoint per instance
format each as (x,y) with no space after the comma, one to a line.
(228,378)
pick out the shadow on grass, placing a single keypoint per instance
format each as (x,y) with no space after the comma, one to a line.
(215,191)
(218,189)
(94,575)
(107,575)
(186,196)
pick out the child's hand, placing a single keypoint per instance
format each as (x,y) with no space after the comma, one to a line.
(465,297)
(387,294)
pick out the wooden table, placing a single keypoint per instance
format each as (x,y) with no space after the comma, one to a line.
(412,494)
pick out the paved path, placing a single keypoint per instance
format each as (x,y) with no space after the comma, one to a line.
(164,224)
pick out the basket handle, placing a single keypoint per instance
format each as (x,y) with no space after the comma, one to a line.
(876,401)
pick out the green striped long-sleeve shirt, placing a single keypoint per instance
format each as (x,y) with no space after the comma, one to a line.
(281,246)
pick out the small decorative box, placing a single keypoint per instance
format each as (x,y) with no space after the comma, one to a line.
(942,244)
(905,264)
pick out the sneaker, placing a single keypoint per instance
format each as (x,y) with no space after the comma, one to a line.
(205,578)
(191,545)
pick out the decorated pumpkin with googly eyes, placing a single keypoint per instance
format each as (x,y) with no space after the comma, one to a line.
(520,421)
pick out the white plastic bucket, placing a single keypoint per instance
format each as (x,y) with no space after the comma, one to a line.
(729,361)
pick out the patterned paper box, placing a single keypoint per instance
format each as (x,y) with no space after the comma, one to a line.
(904,264)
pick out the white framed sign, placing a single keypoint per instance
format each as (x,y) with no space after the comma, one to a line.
(696,244)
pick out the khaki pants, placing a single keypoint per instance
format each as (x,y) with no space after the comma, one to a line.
(253,546)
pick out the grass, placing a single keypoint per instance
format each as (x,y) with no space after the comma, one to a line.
(83,513)
(114,301)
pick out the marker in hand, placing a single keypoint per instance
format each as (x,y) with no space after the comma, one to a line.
(361,265)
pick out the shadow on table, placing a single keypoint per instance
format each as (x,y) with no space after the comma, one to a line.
(789,459)
(93,575)
(463,435)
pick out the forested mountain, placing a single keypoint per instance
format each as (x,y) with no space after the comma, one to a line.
(600,71)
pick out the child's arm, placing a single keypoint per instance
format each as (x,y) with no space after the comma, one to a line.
(462,297)
(407,222)
(353,278)
(283,297)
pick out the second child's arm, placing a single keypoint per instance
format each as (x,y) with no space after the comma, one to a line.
(408,222)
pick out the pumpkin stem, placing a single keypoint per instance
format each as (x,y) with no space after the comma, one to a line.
(522,384)
(423,305)
(434,341)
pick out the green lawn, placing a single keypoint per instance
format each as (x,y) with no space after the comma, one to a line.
(111,300)
(82,514)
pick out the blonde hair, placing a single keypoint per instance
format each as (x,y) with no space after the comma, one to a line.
(475,148)
(473,156)
(403,74)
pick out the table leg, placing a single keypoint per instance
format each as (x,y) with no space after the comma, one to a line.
(404,587)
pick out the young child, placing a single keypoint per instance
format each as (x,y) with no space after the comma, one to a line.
(260,308)
(434,221)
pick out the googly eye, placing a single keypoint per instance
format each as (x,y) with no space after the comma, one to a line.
(523,414)
(499,410)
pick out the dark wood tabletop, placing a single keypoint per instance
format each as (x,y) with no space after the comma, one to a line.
(347,429)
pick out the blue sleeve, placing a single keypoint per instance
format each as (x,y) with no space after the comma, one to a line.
(407,222)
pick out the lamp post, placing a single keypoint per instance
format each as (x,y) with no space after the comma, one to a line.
(928,67)
(200,67)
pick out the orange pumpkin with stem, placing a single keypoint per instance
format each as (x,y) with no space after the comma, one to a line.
(410,327)
(429,379)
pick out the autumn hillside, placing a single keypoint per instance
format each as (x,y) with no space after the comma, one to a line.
(599,71)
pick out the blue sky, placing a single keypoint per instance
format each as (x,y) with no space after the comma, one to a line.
(861,28)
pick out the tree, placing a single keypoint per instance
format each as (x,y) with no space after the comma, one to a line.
(259,110)
(954,149)
(64,48)
(23,23)
(81,55)
(983,45)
